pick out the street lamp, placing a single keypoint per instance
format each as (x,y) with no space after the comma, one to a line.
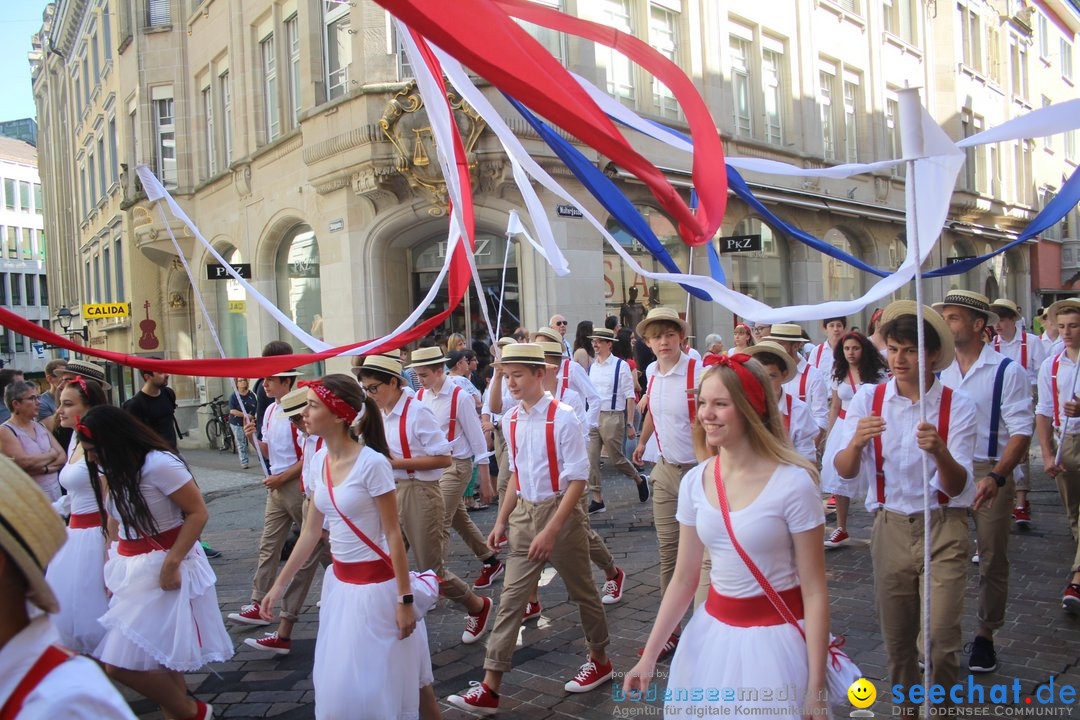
(64,317)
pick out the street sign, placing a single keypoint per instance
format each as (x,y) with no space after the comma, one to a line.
(740,243)
(568,211)
(218,272)
(237,306)
(958,258)
(106,310)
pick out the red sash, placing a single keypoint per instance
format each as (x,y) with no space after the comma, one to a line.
(83,521)
(756,611)
(363,573)
(53,657)
(552,456)
(879,457)
(143,545)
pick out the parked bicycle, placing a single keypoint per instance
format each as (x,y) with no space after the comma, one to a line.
(217,427)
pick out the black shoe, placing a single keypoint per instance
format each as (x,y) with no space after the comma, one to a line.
(209,551)
(643,489)
(983,658)
(597,507)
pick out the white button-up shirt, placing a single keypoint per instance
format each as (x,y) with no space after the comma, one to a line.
(77,689)
(423,432)
(822,358)
(529,430)
(508,402)
(281,443)
(579,381)
(468,439)
(1015,418)
(1065,389)
(1036,353)
(1053,347)
(816,393)
(669,405)
(802,429)
(900,449)
(615,389)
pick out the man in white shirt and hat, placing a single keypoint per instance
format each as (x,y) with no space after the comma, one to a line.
(808,385)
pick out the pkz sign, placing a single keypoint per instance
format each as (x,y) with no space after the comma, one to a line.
(218,272)
(740,243)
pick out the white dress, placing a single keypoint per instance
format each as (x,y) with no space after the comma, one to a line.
(77,571)
(147,627)
(831,482)
(713,654)
(361,667)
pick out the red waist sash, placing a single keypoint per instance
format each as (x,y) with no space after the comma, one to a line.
(82,521)
(753,611)
(161,541)
(363,573)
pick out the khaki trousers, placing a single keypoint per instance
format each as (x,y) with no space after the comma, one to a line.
(502,457)
(993,523)
(452,484)
(569,557)
(285,506)
(609,434)
(420,511)
(666,478)
(896,547)
(1068,484)
(598,549)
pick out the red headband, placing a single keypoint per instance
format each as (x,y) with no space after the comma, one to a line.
(82,429)
(743,325)
(755,391)
(336,405)
(81,383)
(853,334)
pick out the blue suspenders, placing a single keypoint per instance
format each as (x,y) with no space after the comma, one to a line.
(995,409)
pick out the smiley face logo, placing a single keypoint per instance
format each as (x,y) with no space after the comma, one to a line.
(862,693)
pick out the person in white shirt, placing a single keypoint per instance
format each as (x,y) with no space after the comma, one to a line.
(1050,338)
(571,374)
(1056,426)
(458,372)
(821,357)
(497,402)
(1030,352)
(999,386)
(460,422)
(808,385)
(544,520)
(38,677)
(884,437)
(613,418)
(798,422)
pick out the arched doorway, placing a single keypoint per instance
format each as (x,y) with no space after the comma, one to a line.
(618,279)
(299,285)
(230,301)
(839,280)
(762,275)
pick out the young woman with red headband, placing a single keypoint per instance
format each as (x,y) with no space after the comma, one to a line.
(163,618)
(371,654)
(744,337)
(767,492)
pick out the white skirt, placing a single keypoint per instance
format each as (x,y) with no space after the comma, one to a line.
(77,577)
(361,667)
(831,482)
(147,627)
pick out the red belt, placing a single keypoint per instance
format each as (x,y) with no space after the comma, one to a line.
(82,521)
(363,573)
(753,611)
(161,541)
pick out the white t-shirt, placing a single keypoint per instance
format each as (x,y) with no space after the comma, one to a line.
(369,478)
(162,474)
(75,477)
(789,503)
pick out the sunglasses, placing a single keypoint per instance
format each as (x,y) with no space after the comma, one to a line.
(563,322)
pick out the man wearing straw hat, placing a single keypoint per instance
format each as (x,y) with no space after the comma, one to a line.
(798,420)
(1059,430)
(882,436)
(544,520)
(571,374)
(38,677)
(808,384)
(460,423)
(1050,338)
(497,402)
(1002,394)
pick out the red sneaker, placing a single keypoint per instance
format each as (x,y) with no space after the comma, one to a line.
(249,615)
(831,502)
(667,650)
(589,677)
(204,712)
(532,610)
(838,537)
(271,643)
(1070,600)
(475,625)
(612,592)
(479,698)
(488,574)
(1022,515)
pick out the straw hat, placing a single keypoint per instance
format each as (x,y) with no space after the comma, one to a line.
(770,347)
(523,354)
(1006,304)
(293,401)
(974,301)
(549,333)
(88,370)
(383,364)
(1052,311)
(785,332)
(931,316)
(664,314)
(506,340)
(30,531)
(287,373)
(603,334)
(551,348)
(427,356)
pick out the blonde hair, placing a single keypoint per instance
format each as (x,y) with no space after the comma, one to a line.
(455,342)
(767,435)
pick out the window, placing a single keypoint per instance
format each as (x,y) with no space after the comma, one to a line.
(1044,36)
(28,244)
(9,193)
(971,124)
(41,245)
(851,117)
(338,43)
(1024,177)
(299,281)
(1018,65)
(97,279)
(82,186)
(1066,59)
(664,36)
(619,69)
(226,115)
(892,133)
(995,169)
(1070,145)
(106,32)
(16,288)
(101,164)
(826,95)
(772,87)
(900,19)
(107,274)
(5,341)
(118,258)
(840,281)
(618,284)
(1048,140)
(740,49)
(761,275)
(86,81)
(554,42)
(114,165)
(91,190)
(993,52)
(292,37)
(24,196)
(165,141)
(971,38)
(20,343)
(270,88)
(43,290)
(157,13)
(13,242)
(95,56)
(209,160)
(31,288)
(37,198)
(3,294)
(86,280)
(78,95)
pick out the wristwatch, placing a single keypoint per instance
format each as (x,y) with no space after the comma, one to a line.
(406,599)
(999,479)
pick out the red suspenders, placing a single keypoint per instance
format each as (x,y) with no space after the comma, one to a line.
(549,431)
(1054,388)
(453,410)
(817,360)
(787,418)
(691,402)
(53,657)
(802,383)
(403,435)
(566,378)
(1023,348)
(879,457)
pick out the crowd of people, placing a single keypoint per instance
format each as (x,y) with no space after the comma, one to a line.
(750,448)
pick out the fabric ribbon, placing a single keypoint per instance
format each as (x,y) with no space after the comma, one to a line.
(755,391)
(334,404)
(81,429)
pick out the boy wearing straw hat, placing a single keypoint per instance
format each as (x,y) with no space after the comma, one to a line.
(460,423)
(614,417)
(571,374)
(883,437)
(543,518)
(497,402)
(999,386)
(1059,430)
(38,677)
(419,452)
(798,420)
(808,384)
